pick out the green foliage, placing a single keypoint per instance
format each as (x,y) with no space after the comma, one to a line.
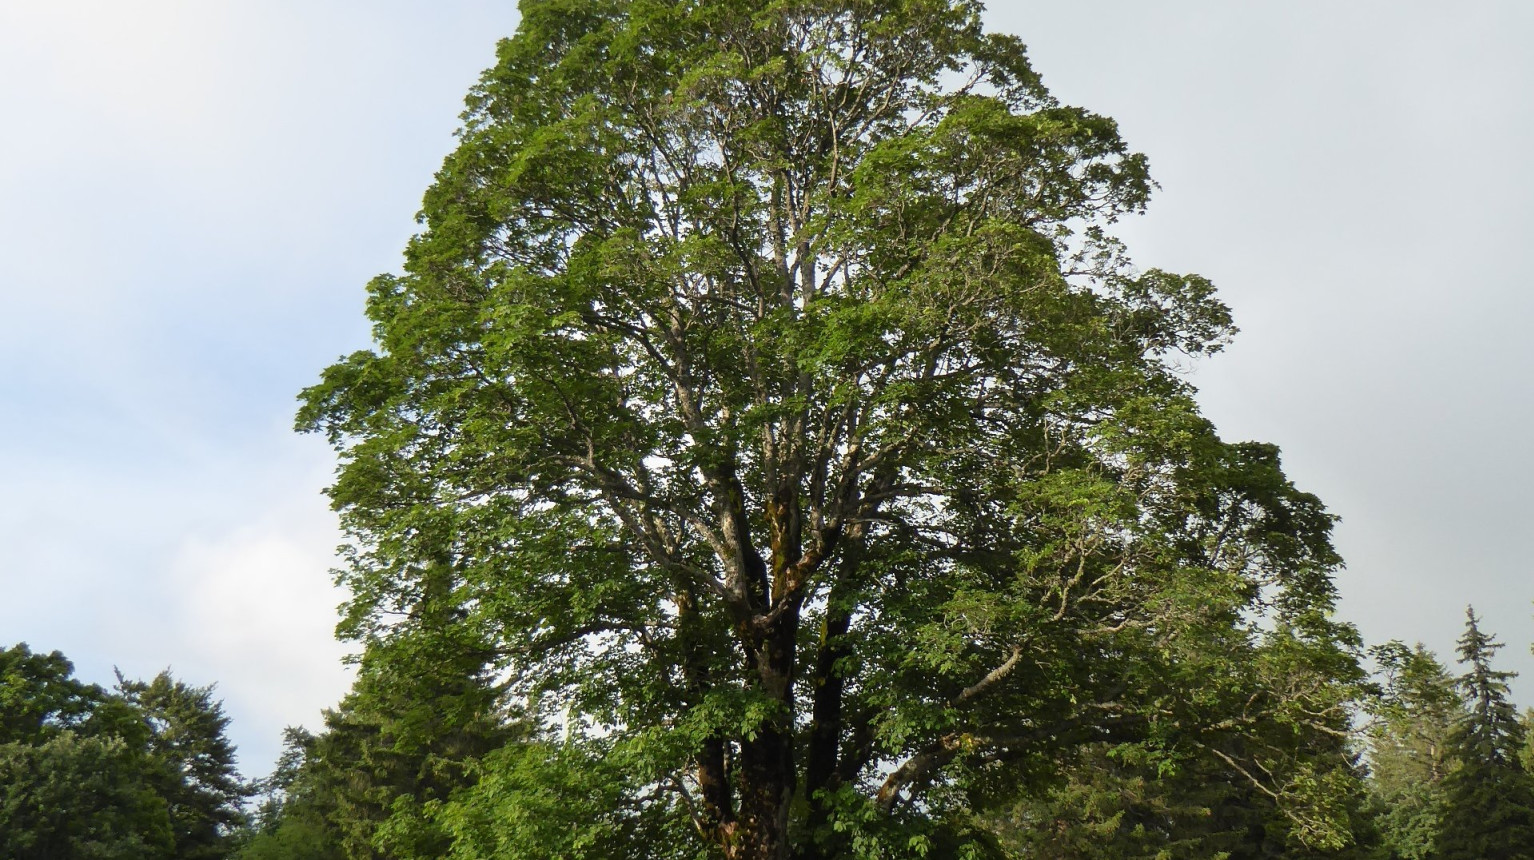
(1409,751)
(409,736)
(1129,801)
(292,820)
(1489,812)
(73,798)
(195,763)
(292,839)
(144,771)
(1526,755)
(39,697)
(540,801)
(766,402)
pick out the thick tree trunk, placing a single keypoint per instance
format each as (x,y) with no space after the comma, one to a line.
(825,721)
(767,777)
(717,802)
(766,793)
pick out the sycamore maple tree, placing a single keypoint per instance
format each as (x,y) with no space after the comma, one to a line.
(767,405)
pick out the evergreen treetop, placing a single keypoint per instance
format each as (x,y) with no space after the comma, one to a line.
(1489,800)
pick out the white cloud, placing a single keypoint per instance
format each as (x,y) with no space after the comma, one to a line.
(192,196)
(257,610)
(215,566)
(152,69)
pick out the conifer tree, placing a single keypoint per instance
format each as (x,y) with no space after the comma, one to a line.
(193,762)
(1490,810)
(293,820)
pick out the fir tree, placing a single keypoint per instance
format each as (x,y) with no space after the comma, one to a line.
(193,762)
(1490,810)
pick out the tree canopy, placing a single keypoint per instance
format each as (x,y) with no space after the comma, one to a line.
(768,404)
(1409,747)
(1489,808)
(140,772)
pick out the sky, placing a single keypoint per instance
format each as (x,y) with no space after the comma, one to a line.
(193,195)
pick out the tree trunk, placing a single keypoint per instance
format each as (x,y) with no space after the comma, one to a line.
(766,792)
(825,721)
(766,776)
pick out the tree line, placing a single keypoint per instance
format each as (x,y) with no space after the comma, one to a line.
(1436,766)
(140,771)
(768,451)
(436,762)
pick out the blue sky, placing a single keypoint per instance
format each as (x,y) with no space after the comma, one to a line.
(192,196)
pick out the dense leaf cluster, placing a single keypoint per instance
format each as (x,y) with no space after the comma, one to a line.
(766,408)
(139,772)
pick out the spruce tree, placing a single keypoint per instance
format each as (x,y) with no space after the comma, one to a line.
(1490,810)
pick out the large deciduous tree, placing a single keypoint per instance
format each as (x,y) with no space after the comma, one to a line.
(766,390)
